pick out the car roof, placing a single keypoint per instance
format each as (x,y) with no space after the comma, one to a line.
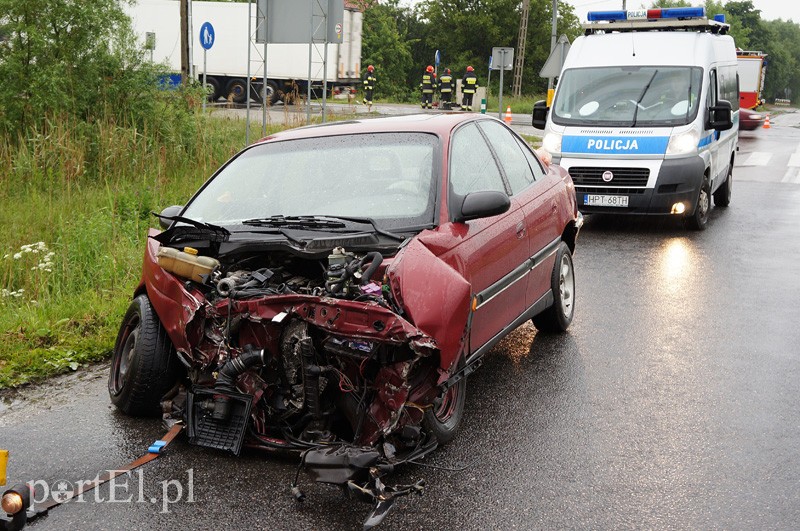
(435,123)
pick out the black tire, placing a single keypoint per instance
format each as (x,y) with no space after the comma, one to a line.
(698,219)
(443,419)
(722,197)
(144,365)
(558,317)
(212,88)
(273,96)
(237,90)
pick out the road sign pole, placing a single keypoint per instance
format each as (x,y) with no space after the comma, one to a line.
(205,87)
(500,97)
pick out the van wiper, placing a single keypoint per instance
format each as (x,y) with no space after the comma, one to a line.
(641,96)
(295,222)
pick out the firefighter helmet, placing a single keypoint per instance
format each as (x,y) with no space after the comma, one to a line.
(429,69)
(470,69)
(370,68)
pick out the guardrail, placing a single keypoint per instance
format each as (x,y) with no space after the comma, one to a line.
(779,101)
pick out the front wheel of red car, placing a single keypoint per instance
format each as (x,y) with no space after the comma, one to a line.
(443,418)
(558,317)
(143,365)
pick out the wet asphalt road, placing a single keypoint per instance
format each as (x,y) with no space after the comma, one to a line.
(671,403)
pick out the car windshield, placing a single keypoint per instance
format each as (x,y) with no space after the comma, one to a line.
(387,177)
(628,96)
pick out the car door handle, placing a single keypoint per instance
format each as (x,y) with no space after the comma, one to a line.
(520,230)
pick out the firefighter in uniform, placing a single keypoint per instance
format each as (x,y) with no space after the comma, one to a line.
(468,86)
(427,87)
(369,86)
(446,89)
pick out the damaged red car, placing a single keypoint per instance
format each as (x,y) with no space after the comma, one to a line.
(330,288)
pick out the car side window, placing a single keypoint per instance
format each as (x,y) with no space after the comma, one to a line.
(472,166)
(533,161)
(509,152)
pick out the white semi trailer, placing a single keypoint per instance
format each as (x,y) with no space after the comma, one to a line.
(227,60)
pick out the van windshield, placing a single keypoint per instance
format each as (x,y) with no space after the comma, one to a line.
(626,96)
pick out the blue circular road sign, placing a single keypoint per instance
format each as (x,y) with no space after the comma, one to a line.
(207,35)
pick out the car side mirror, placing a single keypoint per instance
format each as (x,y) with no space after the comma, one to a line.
(539,116)
(483,204)
(169,212)
(720,116)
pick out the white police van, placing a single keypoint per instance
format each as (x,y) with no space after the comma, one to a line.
(643,115)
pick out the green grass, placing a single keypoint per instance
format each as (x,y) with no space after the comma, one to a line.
(523,105)
(86,192)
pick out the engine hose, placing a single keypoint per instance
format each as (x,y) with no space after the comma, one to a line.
(377,260)
(226,286)
(311,373)
(227,375)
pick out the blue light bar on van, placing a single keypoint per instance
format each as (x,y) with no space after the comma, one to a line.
(647,14)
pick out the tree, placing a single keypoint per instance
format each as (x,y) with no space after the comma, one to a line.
(70,58)
(387,46)
(467,30)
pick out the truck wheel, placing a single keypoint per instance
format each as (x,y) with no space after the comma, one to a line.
(212,88)
(272,93)
(558,317)
(722,197)
(143,365)
(699,218)
(237,90)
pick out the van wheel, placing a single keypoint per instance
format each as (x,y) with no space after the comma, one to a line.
(699,218)
(722,197)
(558,317)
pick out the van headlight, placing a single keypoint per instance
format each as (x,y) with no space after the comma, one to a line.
(552,142)
(683,143)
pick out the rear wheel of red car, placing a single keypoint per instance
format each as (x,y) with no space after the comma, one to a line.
(143,365)
(558,317)
(722,197)
(443,418)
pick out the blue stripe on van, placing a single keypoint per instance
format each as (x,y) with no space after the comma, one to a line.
(708,139)
(615,145)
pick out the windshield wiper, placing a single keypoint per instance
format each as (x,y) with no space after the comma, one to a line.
(196,224)
(641,96)
(295,222)
(370,221)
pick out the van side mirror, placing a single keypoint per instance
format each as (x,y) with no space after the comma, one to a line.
(539,116)
(483,204)
(720,116)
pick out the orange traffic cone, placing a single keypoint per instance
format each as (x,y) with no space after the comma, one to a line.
(766,122)
(508,115)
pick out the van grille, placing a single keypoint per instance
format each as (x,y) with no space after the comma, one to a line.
(586,176)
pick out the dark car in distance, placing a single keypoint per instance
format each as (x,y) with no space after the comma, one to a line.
(750,120)
(329,289)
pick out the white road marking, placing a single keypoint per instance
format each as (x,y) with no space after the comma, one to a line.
(791,175)
(757,158)
(794,160)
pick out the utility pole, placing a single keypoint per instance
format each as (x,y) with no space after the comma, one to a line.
(516,90)
(553,39)
(184,42)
